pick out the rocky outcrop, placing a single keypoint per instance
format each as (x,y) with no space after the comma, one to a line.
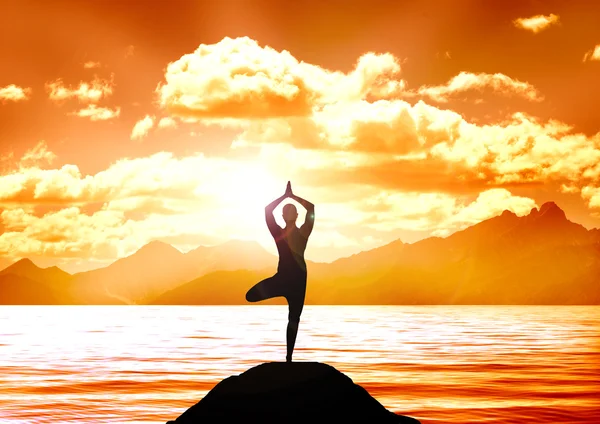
(296,392)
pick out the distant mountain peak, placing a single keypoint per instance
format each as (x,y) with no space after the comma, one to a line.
(397,242)
(27,267)
(506,212)
(548,205)
(57,269)
(157,243)
(24,263)
(157,246)
(553,211)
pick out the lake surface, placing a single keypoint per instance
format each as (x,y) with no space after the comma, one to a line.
(440,364)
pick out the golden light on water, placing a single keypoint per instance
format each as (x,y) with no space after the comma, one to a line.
(454,364)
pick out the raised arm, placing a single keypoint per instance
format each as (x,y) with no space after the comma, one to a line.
(271,224)
(309,222)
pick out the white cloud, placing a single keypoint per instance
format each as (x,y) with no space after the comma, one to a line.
(91,65)
(593,54)
(37,155)
(536,23)
(14,93)
(85,92)
(142,127)
(467,81)
(167,122)
(237,78)
(97,113)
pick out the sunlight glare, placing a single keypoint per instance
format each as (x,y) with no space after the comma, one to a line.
(247,190)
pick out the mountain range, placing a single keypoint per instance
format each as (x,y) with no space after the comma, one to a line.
(540,258)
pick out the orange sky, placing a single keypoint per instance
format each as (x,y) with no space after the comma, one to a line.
(126,122)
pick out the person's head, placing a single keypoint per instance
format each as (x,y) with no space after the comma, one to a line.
(290,214)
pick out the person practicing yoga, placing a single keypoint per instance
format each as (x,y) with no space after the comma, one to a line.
(290,279)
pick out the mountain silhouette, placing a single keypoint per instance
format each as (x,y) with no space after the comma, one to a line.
(155,268)
(539,258)
(158,267)
(5,262)
(147,272)
(216,288)
(18,290)
(24,282)
(502,260)
(230,256)
(26,268)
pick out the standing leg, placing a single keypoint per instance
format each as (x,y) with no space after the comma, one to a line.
(296,304)
(292,332)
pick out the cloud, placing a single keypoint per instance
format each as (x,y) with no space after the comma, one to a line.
(592,195)
(437,213)
(375,163)
(97,113)
(593,54)
(163,197)
(91,65)
(136,200)
(37,155)
(103,236)
(237,78)
(536,23)
(85,92)
(467,81)
(524,150)
(360,194)
(159,175)
(395,145)
(382,126)
(14,93)
(53,235)
(167,122)
(488,204)
(142,127)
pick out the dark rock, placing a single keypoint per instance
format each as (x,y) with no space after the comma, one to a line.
(279,392)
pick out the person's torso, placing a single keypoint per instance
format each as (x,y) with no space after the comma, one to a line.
(291,246)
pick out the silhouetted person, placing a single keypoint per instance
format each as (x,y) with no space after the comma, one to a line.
(290,279)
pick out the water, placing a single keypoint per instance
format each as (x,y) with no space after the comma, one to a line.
(441,364)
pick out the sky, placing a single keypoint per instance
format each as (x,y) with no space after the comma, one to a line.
(124,122)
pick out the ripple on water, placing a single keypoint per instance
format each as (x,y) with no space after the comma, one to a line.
(439,364)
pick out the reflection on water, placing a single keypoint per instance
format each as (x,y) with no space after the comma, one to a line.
(458,364)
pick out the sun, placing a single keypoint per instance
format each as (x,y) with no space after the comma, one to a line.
(250,187)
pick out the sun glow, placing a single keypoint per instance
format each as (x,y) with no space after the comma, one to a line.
(251,184)
(246,191)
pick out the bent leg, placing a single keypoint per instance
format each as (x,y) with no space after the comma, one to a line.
(265,289)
